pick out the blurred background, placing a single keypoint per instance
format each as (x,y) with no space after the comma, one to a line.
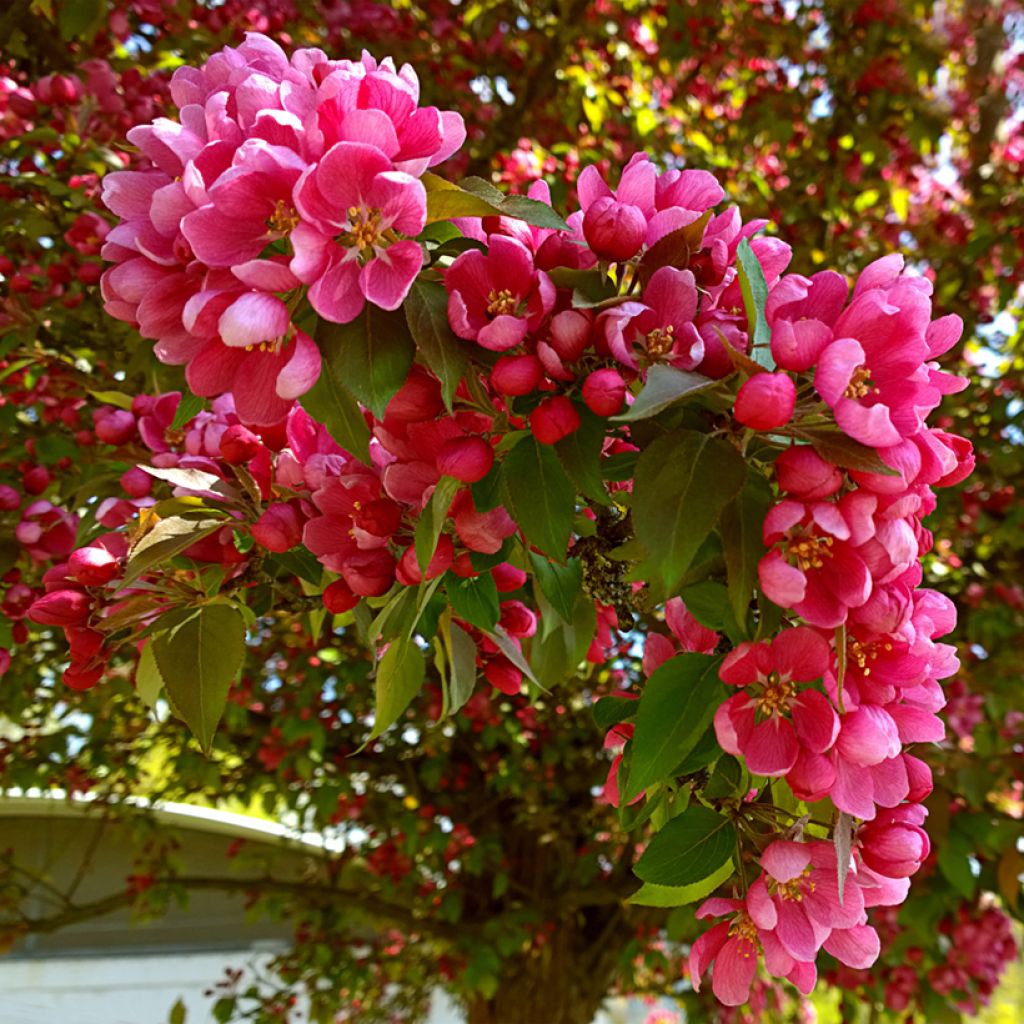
(132,867)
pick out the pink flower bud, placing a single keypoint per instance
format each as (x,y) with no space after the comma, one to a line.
(894,850)
(279,528)
(919,776)
(5,661)
(964,452)
(61,608)
(83,677)
(554,419)
(517,375)
(36,480)
(465,458)
(338,598)
(570,333)
(805,474)
(92,566)
(614,230)
(507,577)
(517,619)
(239,445)
(766,401)
(369,573)
(137,483)
(115,426)
(417,400)
(85,644)
(10,499)
(408,571)
(604,391)
(502,674)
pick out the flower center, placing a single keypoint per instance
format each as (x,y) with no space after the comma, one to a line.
(366,227)
(863,653)
(501,303)
(808,551)
(745,930)
(860,383)
(661,340)
(794,890)
(775,696)
(283,219)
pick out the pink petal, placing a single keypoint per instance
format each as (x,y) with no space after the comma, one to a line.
(815,721)
(836,366)
(771,748)
(735,967)
(915,725)
(301,371)
(795,931)
(704,950)
(336,295)
(801,654)
(782,583)
(785,860)
(760,906)
(856,947)
(252,318)
(403,200)
(386,280)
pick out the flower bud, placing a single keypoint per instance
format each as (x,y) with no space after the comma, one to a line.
(517,619)
(36,480)
(85,643)
(137,483)
(10,499)
(517,375)
(92,566)
(238,445)
(894,850)
(83,677)
(507,577)
(467,459)
(569,334)
(279,528)
(369,573)
(614,230)
(766,401)
(503,675)
(554,419)
(920,777)
(802,472)
(115,426)
(61,608)
(338,598)
(604,391)
(417,400)
(408,571)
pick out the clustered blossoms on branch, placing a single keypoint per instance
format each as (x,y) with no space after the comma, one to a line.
(567,426)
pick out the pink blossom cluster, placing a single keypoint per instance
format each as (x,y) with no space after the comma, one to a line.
(282,178)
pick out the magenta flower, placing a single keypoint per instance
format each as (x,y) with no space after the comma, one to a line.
(687,635)
(661,324)
(772,719)
(353,193)
(495,297)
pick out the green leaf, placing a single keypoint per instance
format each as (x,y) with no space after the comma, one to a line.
(446,200)
(446,354)
(690,848)
(741,526)
(148,681)
(677,705)
(199,660)
(651,895)
(580,456)
(177,1015)
(463,667)
(836,447)
(372,355)
(329,402)
(511,650)
(755,295)
(169,537)
(400,675)
(432,520)
(664,387)
(474,599)
(541,498)
(189,406)
(683,481)
(533,212)
(611,710)
(705,750)
(78,19)
(116,398)
(300,562)
(190,479)
(560,584)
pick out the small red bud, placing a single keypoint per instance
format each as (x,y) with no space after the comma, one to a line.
(554,419)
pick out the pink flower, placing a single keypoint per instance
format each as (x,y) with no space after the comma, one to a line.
(495,297)
(353,192)
(772,720)
(687,633)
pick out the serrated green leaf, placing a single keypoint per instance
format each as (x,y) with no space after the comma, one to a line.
(841,450)
(189,407)
(664,387)
(371,355)
(689,848)
(755,295)
(742,526)
(560,584)
(446,354)
(474,599)
(432,519)
(541,498)
(676,706)
(400,675)
(462,653)
(580,456)
(331,403)
(169,537)
(683,481)
(651,895)
(611,710)
(199,660)
(148,681)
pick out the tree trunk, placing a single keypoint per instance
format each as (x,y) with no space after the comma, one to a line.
(562,979)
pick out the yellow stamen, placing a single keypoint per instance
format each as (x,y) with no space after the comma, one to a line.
(501,303)
(661,340)
(860,383)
